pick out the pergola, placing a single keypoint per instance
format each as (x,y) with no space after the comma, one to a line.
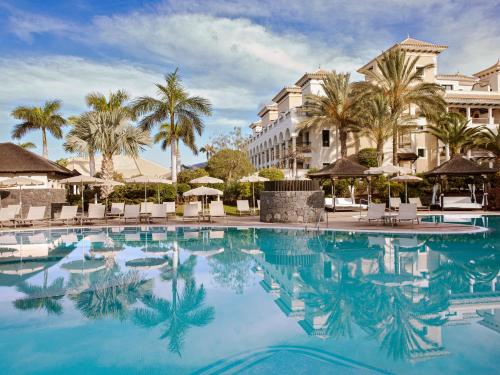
(341,168)
(460,166)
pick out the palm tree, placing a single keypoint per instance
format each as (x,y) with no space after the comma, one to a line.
(98,102)
(81,139)
(46,297)
(338,108)
(376,123)
(490,140)
(27,145)
(114,135)
(184,133)
(175,107)
(209,150)
(46,119)
(453,130)
(398,79)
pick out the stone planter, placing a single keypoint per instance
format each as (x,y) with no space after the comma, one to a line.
(291,206)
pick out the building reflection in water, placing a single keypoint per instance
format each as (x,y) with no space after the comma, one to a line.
(400,291)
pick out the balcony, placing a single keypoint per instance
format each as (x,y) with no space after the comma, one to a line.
(304,147)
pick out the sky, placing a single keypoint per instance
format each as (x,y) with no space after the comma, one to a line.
(236,53)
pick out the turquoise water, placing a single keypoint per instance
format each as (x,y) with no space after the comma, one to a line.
(154,300)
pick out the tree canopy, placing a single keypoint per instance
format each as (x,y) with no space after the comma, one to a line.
(229,165)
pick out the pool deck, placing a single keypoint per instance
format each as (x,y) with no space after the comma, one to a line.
(340,221)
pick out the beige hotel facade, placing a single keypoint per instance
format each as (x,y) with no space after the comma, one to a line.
(277,141)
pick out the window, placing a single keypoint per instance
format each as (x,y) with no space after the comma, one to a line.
(421,152)
(326,138)
(326,164)
(420,71)
(447,87)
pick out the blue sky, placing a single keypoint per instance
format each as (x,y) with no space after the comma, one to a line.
(237,53)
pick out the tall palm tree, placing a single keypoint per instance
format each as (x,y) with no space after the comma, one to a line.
(27,145)
(208,150)
(399,80)
(490,140)
(98,102)
(81,139)
(46,119)
(454,130)
(184,133)
(174,106)
(114,136)
(338,108)
(376,123)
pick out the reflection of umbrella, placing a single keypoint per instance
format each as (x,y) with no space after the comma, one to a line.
(84,265)
(206,180)
(253,179)
(148,180)
(146,263)
(203,191)
(406,178)
(20,181)
(207,253)
(21,268)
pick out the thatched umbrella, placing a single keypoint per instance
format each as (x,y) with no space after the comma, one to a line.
(341,168)
(459,165)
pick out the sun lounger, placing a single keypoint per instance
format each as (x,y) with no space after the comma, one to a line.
(132,212)
(329,203)
(216,210)
(7,215)
(395,203)
(376,212)
(146,207)
(460,203)
(16,208)
(68,213)
(35,213)
(242,206)
(191,211)
(258,204)
(117,209)
(169,208)
(159,211)
(95,212)
(419,204)
(407,212)
(347,204)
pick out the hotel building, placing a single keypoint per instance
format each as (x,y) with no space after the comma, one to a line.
(277,141)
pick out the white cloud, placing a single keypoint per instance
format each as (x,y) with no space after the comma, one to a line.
(24,25)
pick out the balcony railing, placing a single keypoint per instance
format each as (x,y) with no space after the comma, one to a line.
(304,147)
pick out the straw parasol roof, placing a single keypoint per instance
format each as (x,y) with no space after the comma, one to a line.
(406,178)
(459,165)
(24,161)
(341,168)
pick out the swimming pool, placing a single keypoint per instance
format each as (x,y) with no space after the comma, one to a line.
(254,301)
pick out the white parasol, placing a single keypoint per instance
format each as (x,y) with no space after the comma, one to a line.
(203,191)
(20,182)
(406,178)
(386,169)
(206,180)
(148,180)
(253,178)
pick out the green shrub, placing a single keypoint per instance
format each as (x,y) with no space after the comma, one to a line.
(190,174)
(368,157)
(272,173)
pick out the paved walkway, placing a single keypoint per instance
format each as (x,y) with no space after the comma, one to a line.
(342,221)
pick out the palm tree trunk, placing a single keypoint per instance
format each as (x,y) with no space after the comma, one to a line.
(380,153)
(173,161)
(107,170)
(92,163)
(178,156)
(44,143)
(343,143)
(395,143)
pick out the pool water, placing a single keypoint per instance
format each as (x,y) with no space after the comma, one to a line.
(160,300)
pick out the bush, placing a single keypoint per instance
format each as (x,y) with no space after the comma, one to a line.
(272,173)
(190,174)
(134,193)
(368,157)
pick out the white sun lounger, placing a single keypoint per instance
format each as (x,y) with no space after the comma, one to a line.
(395,203)
(159,211)
(117,209)
(419,204)
(243,207)
(68,213)
(169,208)
(146,207)
(407,212)
(216,210)
(460,203)
(191,212)
(132,212)
(376,212)
(35,213)
(95,212)
(16,208)
(7,215)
